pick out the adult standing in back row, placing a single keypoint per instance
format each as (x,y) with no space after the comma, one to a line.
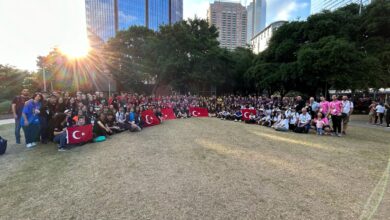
(335,108)
(17,108)
(346,113)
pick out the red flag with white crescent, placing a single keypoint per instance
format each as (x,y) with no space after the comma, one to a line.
(168,113)
(199,112)
(149,118)
(246,113)
(79,134)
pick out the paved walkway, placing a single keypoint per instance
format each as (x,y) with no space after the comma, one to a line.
(7,121)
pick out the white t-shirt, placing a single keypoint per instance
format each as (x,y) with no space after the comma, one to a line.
(347,106)
(293,117)
(303,119)
(380,109)
(284,123)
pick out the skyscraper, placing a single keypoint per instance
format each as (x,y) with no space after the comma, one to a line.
(249,23)
(320,5)
(256,11)
(105,17)
(231,20)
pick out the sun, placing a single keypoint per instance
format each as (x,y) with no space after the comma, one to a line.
(75,49)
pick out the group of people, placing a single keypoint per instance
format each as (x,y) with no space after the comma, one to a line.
(377,112)
(44,117)
(298,115)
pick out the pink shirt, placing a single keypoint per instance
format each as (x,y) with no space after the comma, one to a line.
(335,107)
(324,107)
(320,124)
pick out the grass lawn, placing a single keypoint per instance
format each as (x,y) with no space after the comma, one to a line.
(201,169)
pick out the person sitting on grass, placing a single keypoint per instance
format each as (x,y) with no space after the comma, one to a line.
(181,113)
(304,122)
(158,114)
(252,119)
(112,124)
(134,121)
(238,115)
(283,124)
(100,128)
(58,128)
(121,118)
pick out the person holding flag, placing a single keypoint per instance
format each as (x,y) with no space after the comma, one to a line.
(59,130)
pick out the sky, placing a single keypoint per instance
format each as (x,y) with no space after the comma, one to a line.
(30,28)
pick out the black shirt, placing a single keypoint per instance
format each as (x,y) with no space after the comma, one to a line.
(19,104)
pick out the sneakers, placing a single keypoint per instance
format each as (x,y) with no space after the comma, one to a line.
(61,149)
(34,144)
(29,145)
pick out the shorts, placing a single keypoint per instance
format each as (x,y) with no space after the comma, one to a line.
(345,118)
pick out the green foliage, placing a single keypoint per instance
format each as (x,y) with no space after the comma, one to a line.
(11,81)
(185,56)
(5,106)
(339,50)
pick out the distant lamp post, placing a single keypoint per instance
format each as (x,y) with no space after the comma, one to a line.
(107,72)
(44,79)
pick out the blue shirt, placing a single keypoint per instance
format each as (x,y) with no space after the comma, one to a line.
(29,110)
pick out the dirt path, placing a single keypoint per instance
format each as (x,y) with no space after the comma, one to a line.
(198,169)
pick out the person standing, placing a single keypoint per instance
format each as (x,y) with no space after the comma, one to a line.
(387,106)
(30,120)
(380,112)
(346,113)
(300,104)
(17,108)
(314,106)
(372,113)
(335,107)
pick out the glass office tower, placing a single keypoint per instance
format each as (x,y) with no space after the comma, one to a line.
(131,13)
(100,18)
(320,5)
(159,12)
(105,17)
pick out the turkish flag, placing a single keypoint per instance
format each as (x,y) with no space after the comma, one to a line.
(168,113)
(199,112)
(149,118)
(79,134)
(246,113)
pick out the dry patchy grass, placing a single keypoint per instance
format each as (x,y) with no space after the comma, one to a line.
(199,169)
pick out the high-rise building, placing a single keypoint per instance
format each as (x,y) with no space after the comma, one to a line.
(256,11)
(106,17)
(231,20)
(320,5)
(249,23)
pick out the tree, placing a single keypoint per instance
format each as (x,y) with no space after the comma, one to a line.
(11,81)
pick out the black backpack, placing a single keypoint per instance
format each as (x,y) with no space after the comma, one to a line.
(3,145)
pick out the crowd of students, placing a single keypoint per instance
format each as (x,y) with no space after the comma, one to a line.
(44,117)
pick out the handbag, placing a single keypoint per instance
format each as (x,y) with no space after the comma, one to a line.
(3,145)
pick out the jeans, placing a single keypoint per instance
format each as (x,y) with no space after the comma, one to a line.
(281,129)
(17,130)
(60,139)
(44,130)
(320,131)
(31,133)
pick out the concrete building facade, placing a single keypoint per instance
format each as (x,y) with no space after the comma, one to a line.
(260,42)
(231,20)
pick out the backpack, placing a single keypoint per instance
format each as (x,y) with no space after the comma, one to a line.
(3,145)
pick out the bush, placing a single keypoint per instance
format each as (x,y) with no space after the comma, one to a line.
(5,107)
